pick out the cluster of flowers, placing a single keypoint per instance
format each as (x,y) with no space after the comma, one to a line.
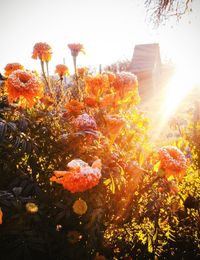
(24,85)
(80,176)
(108,89)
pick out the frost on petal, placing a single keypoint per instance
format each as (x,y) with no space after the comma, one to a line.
(76,164)
(85,122)
(173,161)
(97,164)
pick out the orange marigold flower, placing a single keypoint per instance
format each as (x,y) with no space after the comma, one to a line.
(91,101)
(25,85)
(74,107)
(82,71)
(95,85)
(62,70)
(80,207)
(1,216)
(85,122)
(111,76)
(114,123)
(10,67)
(172,161)
(125,82)
(75,48)
(109,100)
(80,176)
(42,51)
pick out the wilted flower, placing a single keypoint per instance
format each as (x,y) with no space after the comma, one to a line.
(95,85)
(114,123)
(23,84)
(42,51)
(10,67)
(1,216)
(62,70)
(31,207)
(79,207)
(85,122)
(75,48)
(74,107)
(173,161)
(80,176)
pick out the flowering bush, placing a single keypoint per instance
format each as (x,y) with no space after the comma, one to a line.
(79,179)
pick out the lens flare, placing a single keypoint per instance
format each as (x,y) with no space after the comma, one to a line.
(178,88)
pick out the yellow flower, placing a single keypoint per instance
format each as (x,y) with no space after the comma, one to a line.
(31,207)
(80,207)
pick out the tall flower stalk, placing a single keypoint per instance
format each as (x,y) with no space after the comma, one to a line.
(75,48)
(43,52)
(44,75)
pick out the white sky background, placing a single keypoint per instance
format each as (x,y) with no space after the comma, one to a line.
(108,29)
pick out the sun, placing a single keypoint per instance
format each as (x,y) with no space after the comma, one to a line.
(184,80)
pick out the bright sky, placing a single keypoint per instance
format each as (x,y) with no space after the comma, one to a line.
(109,30)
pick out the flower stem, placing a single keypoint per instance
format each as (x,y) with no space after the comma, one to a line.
(44,75)
(75,74)
(62,90)
(74,61)
(48,78)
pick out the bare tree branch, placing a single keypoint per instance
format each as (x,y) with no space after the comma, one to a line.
(160,10)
